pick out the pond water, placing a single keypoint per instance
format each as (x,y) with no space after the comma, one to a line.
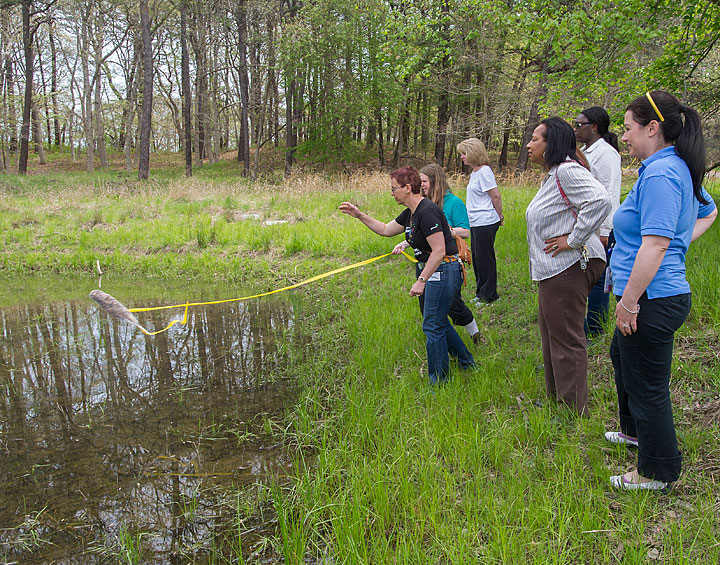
(115,445)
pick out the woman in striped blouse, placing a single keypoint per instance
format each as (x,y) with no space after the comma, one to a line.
(566,257)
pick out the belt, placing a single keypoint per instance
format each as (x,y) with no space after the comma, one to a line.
(446,259)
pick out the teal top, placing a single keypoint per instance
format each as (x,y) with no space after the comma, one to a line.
(455,211)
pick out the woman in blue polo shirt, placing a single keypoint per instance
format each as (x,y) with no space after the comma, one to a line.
(666,209)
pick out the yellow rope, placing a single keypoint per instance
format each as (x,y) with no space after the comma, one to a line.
(306,281)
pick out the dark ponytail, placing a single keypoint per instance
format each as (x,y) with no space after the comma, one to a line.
(600,118)
(685,134)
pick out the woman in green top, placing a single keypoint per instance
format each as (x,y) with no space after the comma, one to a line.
(436,188)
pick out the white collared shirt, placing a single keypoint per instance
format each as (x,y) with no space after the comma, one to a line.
(605,167)
(548,216)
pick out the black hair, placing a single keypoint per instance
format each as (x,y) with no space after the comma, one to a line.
(561,143)
(600,118)
(686,135)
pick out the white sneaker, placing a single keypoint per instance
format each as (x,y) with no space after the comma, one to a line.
(619,437)
(619,481)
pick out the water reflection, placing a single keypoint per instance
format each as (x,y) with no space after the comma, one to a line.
(106,431)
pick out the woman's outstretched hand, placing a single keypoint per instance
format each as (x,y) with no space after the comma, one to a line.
(350,209)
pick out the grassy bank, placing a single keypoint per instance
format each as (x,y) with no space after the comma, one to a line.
(482,470)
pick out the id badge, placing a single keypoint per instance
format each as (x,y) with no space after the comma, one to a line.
(608,286)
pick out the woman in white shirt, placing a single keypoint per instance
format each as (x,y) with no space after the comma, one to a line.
(601,149)
(484,205)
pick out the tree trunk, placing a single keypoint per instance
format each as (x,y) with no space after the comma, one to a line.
(131,103)
(517,87)
(186,90)
(381,146)
(11,116)
(443,114)
(425,135)
(146,118)
(273,112)
(6,125)
(71,128)
(87,92)
(532,122)
(53,83)
(27,103)
(37,135)
(198,39)
(71,118)
(290,136)
(442,121)
(45,101)
(291,88)
(99,124)
(402,129)
(244,145)
(416,124)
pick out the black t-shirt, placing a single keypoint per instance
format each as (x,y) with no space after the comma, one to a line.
(427,220)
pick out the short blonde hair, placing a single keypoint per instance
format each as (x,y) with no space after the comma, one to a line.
(475,152)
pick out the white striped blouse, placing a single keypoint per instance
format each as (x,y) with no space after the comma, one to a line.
(548,216)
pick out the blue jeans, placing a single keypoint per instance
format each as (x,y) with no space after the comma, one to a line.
(598,304)
(441,337)
(459,313)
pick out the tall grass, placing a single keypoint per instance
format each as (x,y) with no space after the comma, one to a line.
(481,470)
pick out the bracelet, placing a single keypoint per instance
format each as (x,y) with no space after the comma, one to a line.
(627,309)
(422,279)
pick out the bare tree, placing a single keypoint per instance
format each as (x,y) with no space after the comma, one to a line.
(244,142)
(97,43)
(54,81)
(28,34)
(186,90)
(37,134)
(146,118)
(86,101)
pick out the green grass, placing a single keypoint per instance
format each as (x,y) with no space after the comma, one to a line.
(482,470)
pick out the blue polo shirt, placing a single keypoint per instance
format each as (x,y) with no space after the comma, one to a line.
(455,211)
(661,203)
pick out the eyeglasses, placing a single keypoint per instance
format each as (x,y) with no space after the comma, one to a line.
(578,125)
(394,188)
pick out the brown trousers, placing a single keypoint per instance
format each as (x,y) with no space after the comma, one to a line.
(561,314)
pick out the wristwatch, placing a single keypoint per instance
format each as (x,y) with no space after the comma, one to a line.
(422,279)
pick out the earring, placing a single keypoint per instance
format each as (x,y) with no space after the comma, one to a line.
(544,154)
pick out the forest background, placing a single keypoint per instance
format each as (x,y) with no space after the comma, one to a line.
(333,81)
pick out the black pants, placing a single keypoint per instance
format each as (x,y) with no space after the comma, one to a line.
(642,364)
(482,247)
(459,313)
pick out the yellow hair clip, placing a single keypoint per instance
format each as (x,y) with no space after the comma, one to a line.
(652,102)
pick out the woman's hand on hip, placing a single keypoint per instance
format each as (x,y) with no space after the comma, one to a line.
(557,244)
